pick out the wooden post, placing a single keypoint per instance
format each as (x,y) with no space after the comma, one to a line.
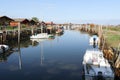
(0,37)
(42,28)
(32,31)
(18,32)
(4,36)
(117,63)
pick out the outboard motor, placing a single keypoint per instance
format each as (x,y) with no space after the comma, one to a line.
(94,39)
(3,48)
(94,44)
(100,76)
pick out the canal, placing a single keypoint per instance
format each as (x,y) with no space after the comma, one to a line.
(53,59)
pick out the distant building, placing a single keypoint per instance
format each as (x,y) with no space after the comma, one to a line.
(49,23)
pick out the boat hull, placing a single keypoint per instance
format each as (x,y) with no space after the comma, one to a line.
(3,48)
(40,36)
(96,67)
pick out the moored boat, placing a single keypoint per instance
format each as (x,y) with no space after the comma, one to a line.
(96,67)
(38,36)
(94,40)
(3,48)
(60,30)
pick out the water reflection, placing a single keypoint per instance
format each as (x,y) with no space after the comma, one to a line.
(42,56)
(19,53)
(41,48)
(59,58)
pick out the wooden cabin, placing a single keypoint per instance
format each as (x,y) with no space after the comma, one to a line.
(4,20)
(32,22)
(24,22)
(49,23)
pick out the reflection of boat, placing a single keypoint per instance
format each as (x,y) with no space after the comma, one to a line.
(96,67)
(41,35)
(38,40)
(94,40)
(3,48)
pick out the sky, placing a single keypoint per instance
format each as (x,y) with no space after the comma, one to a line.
(64,11)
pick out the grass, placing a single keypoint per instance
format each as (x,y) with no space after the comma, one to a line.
(114,28)
(112,36)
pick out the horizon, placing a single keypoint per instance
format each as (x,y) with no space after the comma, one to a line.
(64,11)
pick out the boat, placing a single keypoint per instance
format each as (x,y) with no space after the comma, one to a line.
(94,40)
(38,36)
(3,48)
(60,30)
(96,67)
(51,36)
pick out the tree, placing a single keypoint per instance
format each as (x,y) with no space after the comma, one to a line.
(35,19)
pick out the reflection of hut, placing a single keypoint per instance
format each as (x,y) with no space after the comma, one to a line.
(4,20)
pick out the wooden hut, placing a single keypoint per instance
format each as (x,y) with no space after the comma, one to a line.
(4,20)
(32,22)
(24,22)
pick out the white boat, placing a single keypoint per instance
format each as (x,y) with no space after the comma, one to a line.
(96,67)
(60,30)
(94,40)
(41,35)
(3,48)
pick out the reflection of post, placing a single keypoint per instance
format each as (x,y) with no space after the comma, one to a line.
(51,43)
(32,43)
(57,39)
(42,57)
(20,62)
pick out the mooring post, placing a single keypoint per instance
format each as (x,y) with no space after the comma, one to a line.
(32,31)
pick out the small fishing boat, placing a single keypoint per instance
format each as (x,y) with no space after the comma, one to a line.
(3,48)
(60,30)
(94,40)
(96,67)
(38,36)
(51,36)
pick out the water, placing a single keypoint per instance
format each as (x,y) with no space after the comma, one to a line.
(57,59)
